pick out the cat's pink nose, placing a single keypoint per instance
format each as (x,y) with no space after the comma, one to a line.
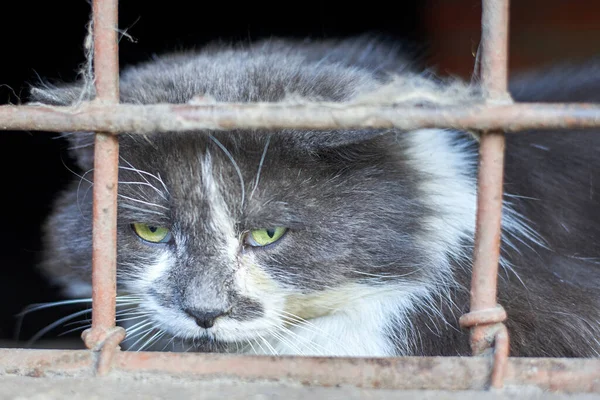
(205,319)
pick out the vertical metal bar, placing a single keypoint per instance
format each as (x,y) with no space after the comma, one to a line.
(485,315)
(494,55)
(491,166)
(103,335)
(104,256)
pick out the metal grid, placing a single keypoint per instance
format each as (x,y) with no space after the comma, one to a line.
(495,116)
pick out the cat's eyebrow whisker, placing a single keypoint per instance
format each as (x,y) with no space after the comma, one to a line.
(143,202)
(260,165)
(81,177)
(142,173)
(140,209)
(161,194)
(79,187)
(235,165)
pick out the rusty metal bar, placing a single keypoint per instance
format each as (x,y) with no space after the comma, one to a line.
(103,337)
(494,52)
(486,317)
(129,118)
(404,373)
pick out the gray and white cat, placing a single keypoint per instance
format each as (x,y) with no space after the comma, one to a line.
(340,242)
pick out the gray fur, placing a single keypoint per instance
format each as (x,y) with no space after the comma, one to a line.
(359,208)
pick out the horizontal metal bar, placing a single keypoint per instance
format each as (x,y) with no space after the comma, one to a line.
(436,373)
(128,118)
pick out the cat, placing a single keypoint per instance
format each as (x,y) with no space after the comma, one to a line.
(349,242)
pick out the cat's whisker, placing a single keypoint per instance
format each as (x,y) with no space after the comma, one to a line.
(131,318)
(131,332)
(281,332)
(315,347)
(134,309)
(172,341)
(53,325)
(251,346)
(85,321)
(296,321)
(142,336)
(156,337)
(257,343)
(269,346)
(79,328)
(121,301)
(280,336)
(40,306)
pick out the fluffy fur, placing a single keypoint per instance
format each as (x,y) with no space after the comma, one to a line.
(377,257)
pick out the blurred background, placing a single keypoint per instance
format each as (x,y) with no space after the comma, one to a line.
(45,39)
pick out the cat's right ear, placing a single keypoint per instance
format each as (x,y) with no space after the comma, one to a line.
(81,144)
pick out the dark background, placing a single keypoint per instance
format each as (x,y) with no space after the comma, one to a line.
(45,39)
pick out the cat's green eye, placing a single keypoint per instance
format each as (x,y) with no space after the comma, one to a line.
(151,233)
(263,237)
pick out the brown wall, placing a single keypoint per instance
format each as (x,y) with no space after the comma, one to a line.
(541,32)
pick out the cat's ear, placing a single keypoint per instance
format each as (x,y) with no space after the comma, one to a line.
(316,140)
(81,144)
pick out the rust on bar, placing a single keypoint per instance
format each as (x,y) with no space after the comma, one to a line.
(402,373)
(486,317)
(103,336)
(131,118)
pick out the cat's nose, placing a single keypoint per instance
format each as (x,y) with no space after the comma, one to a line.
(205,319)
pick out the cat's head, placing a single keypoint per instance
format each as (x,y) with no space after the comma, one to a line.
(234,235)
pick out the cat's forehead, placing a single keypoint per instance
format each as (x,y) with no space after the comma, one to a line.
(219,161)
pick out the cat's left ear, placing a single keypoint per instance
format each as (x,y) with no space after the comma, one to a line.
(81,144)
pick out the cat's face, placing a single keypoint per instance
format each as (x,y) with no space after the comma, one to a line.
(236,235)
